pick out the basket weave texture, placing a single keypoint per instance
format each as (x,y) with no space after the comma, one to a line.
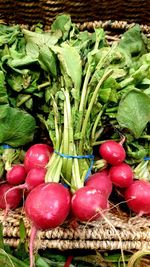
(134,233)
(30,12)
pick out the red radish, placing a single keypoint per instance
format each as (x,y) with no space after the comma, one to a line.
(121,175)
(16,175)
(9,200)
(47,206)
(112,152)
(35,177)
(37,155)
(137,196)
(87,203)
(101,181)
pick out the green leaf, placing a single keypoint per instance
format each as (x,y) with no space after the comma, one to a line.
(71,63)
(1,237)
(3,91)
(133,42)
(134,112)
(22,230)
(40,39)
(47,60)
(8,34)
(62,23)
(17,126)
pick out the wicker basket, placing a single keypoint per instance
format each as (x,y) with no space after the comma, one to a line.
(115,16)
(134,233)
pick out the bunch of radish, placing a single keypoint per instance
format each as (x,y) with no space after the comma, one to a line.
(24,176)
(47,205)
(136,192)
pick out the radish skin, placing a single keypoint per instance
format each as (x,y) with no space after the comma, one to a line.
(137,196)
(16,175)
(37,155)
(112,152)
(35,177)
(87,202)
(47,206)
(101,181)
(9,200)
(121,175)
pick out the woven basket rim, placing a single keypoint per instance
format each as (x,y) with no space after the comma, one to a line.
(106,24)
(112,24)
(134,233)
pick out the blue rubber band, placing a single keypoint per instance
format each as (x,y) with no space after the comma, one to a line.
(5,146)
(74,157)
(147,158)
(79,157)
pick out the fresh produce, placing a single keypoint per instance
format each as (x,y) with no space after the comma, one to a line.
(9,199)
(101,181)
(88,203)
(121,175)
(137,197)
(35,177)
(112,152)
(75,105)
(16,175)
(37,155)
(47,206)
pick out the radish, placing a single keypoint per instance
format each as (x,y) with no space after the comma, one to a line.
(101,181)
(37,155)
(137,196)
(121,175)
(34,177)
(112,152)
(88,203)
(16,175)
(9,200)
(47,206)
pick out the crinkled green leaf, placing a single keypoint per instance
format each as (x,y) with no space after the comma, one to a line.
(47,60)
(62,23)
(132,41)
(17,126)
(134,112)
(8,34)
(40,39)
(71,63)
(3,91)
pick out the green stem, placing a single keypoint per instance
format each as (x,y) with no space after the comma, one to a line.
(65,137)
(85,122)
(98,133)
(57,130)
(93,136)
(54,168)
(43,85)
(70,136)
(23,100)
(145,137)
(84,89)
(83,95)
(76,179)
(97,143)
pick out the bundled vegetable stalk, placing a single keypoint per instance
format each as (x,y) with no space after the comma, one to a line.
(90,79)
(75,127)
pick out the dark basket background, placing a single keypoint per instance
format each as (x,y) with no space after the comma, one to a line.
(30,12)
